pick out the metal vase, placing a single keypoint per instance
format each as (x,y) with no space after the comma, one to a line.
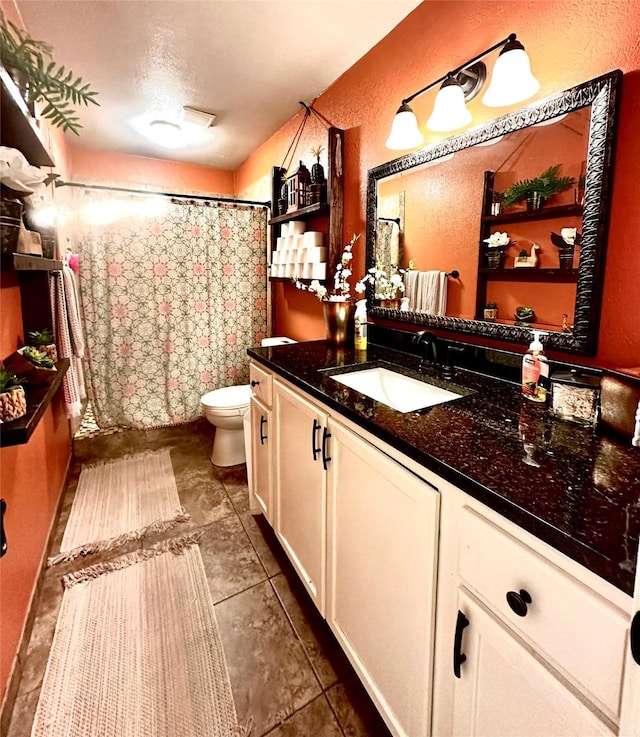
(338,320)
(566,257)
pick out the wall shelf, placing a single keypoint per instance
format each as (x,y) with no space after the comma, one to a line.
(18,128)
(24,262)
(544,213)
(18,432)
(560,276)
(303,213)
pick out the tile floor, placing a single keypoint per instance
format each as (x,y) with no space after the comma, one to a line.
(288,675)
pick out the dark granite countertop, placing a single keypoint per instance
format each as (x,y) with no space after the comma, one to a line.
(582,496)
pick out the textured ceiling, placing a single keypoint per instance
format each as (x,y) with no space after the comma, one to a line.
(248,61)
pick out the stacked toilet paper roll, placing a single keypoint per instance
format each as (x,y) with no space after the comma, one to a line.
(299,253)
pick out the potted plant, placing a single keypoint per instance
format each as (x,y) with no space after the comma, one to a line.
(537,191)
(338,307)
(490,311)
(524,315)
(565,242)
(317,176)
(497,243)
(34,365)
(30,62)
(13,403)
(388,284)
(43,341)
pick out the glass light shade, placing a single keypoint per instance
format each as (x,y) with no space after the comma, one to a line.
(511,79)
(165,133)
(449,109)
(404,130)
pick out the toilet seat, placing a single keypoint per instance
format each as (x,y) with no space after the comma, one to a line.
(229,400)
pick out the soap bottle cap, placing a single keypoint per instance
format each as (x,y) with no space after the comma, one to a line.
(361,307)
(536,345)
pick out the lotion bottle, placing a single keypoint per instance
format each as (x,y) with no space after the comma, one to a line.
(360,322)
(535,371)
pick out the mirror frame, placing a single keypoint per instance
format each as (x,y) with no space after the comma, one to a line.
(602,93)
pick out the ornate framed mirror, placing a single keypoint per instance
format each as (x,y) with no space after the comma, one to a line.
(434,207)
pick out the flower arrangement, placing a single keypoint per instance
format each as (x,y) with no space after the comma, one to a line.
(341,286)
(386,285)
(568,237)
(498,240)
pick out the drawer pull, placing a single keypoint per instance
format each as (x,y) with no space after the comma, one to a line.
(634,637)
(254,382)
(316,450)
(518,602)
(325,457)
(458,656)
(263,422)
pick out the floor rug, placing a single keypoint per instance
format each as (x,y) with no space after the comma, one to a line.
(119,501)
(137,652)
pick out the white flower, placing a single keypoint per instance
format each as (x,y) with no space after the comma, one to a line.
(498,240)
(569,235)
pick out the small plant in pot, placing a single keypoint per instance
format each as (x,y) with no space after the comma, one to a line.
(538,190)
(316,188)
(565,242)
(13,403)
(496,245)
(30,62)
(491,311)
(524,315)
(43,341)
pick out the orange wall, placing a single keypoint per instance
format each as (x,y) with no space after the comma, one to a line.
(98,166)
(568,42)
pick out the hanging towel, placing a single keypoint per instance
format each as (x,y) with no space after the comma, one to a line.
(69,336)
(434,292)
(427,291)
(388,242)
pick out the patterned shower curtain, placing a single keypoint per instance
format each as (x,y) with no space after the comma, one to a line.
(173,292)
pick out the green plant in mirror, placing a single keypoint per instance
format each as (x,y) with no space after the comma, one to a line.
(32,62)
(547,184)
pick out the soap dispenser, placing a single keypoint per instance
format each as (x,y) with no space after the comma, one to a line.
(535,370)
(360,324)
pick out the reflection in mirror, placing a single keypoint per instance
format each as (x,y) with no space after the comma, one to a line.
(448,206)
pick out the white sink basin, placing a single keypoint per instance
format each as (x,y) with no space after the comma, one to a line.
(396,390)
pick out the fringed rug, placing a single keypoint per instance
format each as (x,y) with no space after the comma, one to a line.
(137,652)
(119,501)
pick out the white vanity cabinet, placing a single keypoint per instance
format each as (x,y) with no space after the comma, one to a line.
(301,460)
(528,642)
(630,721)
(382,528)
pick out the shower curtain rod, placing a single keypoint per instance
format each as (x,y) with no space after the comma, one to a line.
(230,200)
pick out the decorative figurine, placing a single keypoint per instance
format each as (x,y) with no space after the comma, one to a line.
(524,260)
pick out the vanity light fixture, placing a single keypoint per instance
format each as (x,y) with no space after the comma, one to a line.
(511,82)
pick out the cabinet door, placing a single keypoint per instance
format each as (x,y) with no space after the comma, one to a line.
(630,722)
(504,691)
(302,451)
(383,535)
(261,457)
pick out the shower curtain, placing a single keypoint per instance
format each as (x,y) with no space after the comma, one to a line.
(173,293)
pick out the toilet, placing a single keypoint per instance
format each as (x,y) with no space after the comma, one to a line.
(226,409)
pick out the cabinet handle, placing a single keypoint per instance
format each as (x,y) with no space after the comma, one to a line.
(3,537)
(518,602)
(263,422)
(325,437)
(316,450)
(634,637)
(254,382)
(458,656)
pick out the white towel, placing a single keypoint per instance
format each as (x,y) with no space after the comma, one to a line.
(635,440)
(69,337)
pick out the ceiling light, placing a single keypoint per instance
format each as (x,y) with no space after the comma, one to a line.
(512,82)
(165,133)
